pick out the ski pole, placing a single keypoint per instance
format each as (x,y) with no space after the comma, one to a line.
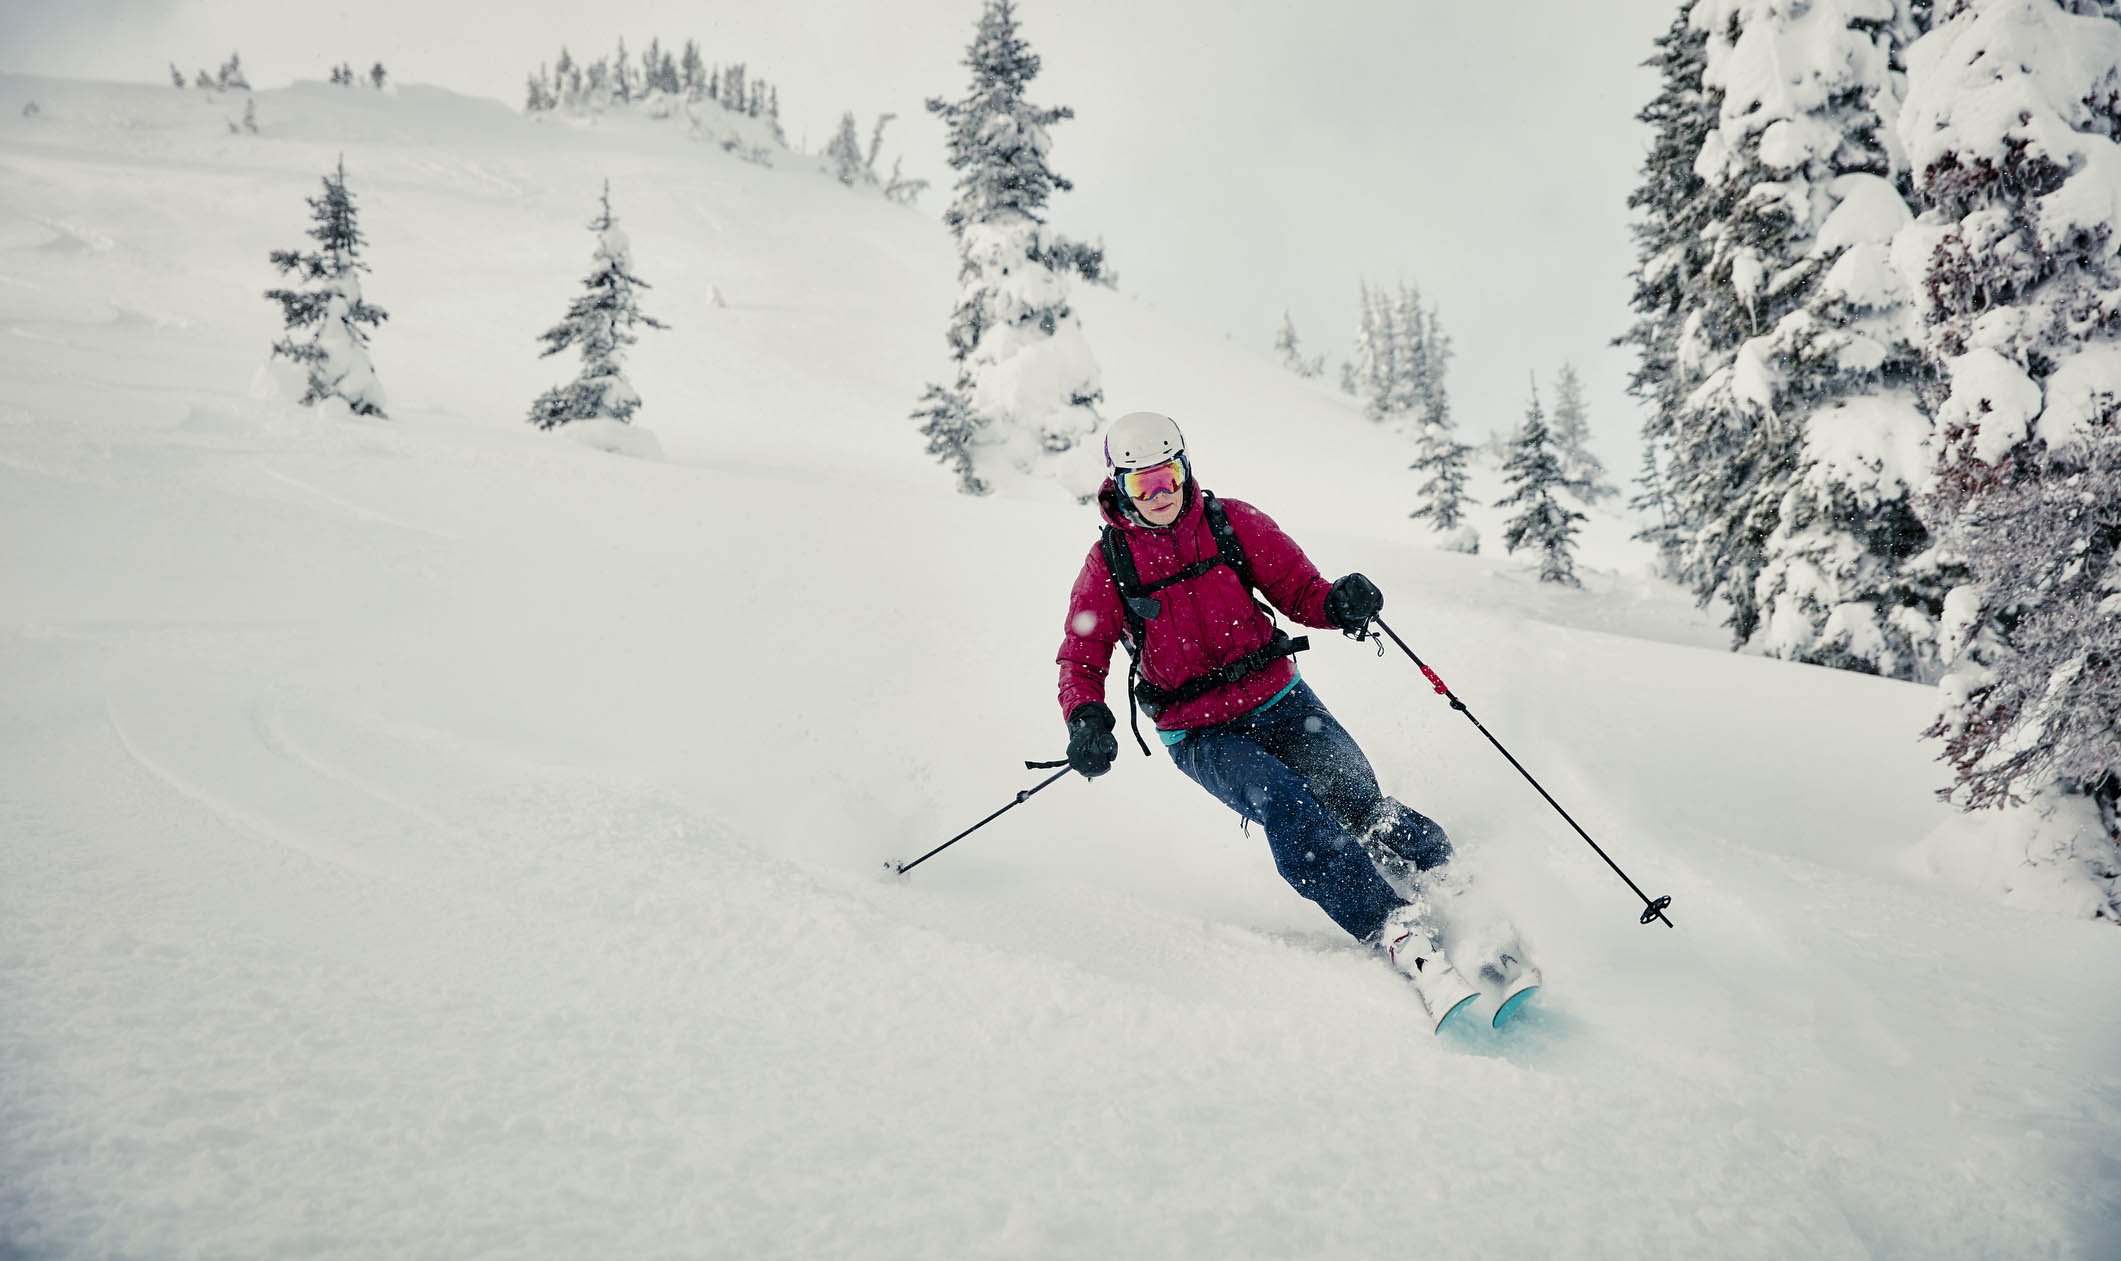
(1653,907)
(1021,798)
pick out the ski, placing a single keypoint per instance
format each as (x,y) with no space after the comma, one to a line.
(1444,992)
(1511,981)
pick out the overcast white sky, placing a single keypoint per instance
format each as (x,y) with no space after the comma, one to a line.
(1237,158)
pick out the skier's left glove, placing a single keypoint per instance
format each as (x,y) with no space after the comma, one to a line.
(1091,744)
(1353,601)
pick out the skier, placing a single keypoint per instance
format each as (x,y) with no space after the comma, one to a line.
(1172,577)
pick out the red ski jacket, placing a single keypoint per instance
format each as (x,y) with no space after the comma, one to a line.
(1206,622)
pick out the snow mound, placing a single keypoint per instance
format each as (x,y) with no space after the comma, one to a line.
(616,436)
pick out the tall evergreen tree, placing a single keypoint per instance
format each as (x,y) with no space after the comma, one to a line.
(2014,125)
(600,324)
(1774,346)
(1027,383)
(1673,207)
(327,319)
(1543,523)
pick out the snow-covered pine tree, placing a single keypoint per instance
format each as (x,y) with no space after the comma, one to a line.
(622,80)
(843,153)
(1543,523)
(1408,386)
(1438,454)
(326,317)
(2013,122)
(1350,379)
(566,80)
(1440,458)
(176,76)
(378,77)
(1581,470)
(1285,342)
(1673,206)
(692,72)
(600,322)
(1784,457)
(1027,383)
(231,76)
(1849,578)
(1435,404)
(1373,354)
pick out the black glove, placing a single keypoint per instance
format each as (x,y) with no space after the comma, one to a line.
(1091,744)
(1353,601)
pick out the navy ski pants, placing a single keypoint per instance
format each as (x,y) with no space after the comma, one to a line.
(1292,768)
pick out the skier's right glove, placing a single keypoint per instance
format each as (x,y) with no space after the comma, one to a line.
(1091,744)
(1353,601)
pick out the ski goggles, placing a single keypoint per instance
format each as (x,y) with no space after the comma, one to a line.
(1155,481)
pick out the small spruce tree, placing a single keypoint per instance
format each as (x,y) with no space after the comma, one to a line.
(1655,505)
(1543,522)
(844,153)
(1441,460)
(600,322)
(327,318)
(1291,356)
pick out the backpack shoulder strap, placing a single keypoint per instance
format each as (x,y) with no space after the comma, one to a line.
(1226,542)
(1137,603)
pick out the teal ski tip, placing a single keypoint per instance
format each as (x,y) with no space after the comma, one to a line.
(1457,1007)
(1513,1005)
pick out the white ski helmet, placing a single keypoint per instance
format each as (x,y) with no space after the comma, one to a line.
(1140,439)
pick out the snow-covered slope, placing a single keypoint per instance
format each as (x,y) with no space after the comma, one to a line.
(434,837)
